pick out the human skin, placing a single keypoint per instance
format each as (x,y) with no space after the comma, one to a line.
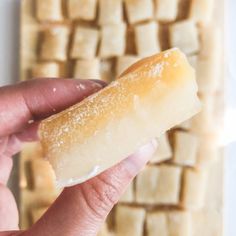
(79,210)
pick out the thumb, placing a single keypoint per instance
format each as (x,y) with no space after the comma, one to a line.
(80,210)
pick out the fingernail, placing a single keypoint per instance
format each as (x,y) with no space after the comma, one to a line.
(138,160)
(99,82)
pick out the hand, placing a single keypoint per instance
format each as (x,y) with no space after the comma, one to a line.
(79,210)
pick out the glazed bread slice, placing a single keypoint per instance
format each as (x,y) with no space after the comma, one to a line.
(152,96)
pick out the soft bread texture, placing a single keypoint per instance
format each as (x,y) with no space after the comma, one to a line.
(150,97)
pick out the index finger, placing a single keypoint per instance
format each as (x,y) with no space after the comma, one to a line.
(36,99)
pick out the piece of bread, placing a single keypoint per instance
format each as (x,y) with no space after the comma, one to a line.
(49,10)
(185,148)
(87,69)
(194,189)
(180,223)
(85,42)
(54,44)
(146,39)
(163,152)
(201,10)
(139,10)
(157,192)
(152,96)
(157,224)
(166,10)
(129,220)
(82,9)
(110,12)
(184,35)
(46,69)
(113,40)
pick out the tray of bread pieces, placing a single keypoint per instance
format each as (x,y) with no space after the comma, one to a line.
(180,191)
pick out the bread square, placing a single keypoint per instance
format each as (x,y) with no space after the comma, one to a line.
(110,12)
(201,10)
(194,189)
(87,69)
(46,69)
(82,9)
(106,70)
(164,151)
(184,35)
(49,10)
(166,10)
(124,62)
(129,221)
(147,39)
(113,40)
(43,177)
(205,121)
(185,148)
(37,213)
(85,42)
(180,223)
(209,68)
(139,10)
(152,182)
(55,43)
(157,224)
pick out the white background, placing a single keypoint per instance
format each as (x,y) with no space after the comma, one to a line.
(9,41)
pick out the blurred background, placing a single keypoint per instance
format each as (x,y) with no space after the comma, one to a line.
(9,64)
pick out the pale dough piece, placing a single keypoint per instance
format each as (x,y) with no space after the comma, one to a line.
(46,69)
(168,176)
(146,185)
(110,12)
(49,10)
(139,10)
(42,175)
(209,64)
(128,196)
(129,221)
(106,70)
(54,44)
(194,189)
(166,10)
(208,223)
(164,151)
(82,9)
(124,62)
(87,69)
(208,150)
(146,39)
(185,148)
(180,223)
(152,182)
(204,121)
(201,10)
(85,42)
(113,40)
(37,213)
(157,224)
(184,35)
